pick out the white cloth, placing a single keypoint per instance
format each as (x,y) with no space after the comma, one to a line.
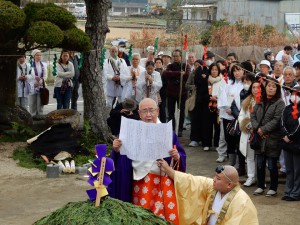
(113,89)
(24,88)
(142,168)
(217,86)
(250,162)
(222,149)
(64,71)
(216,208)
(279,57)
(226,96)
(142,86)
(39,74)
(244,135)
(126,82)
(35,106)
(143,62)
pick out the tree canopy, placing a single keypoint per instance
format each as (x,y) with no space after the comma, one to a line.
(40,25)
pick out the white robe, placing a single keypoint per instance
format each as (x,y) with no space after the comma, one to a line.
(126,82)
(113,89)
(25,88)
(142,86)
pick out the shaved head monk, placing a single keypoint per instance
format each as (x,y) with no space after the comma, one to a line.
(217,201)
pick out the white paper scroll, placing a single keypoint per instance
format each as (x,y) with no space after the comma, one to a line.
(145,141)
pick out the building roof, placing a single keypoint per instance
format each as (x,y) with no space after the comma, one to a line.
(198,6)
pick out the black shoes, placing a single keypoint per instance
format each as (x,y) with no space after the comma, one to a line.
(288,198)
(180,133)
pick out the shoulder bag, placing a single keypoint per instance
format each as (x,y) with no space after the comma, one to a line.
(44,93)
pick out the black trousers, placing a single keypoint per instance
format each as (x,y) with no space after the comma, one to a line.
(171,110)
(75,94)
(162,110)
(199,124)
(213,128)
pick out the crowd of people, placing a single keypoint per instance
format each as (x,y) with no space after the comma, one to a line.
(32,77)
(247,111)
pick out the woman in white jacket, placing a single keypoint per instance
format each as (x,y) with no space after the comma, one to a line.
(216,82)
(149,83)
(245,127)
(225,99)
(63,81)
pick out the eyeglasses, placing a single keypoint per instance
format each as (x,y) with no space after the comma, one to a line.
(146,111)
(221,169)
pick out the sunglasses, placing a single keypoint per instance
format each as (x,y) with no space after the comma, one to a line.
(221,169)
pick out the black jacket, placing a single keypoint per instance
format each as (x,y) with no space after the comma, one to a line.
(201,84)
(114,119)
(291,128)
(126,58)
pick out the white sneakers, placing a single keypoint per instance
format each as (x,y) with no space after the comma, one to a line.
(258,191)
(72,166)
(249,182)
(271,193)
(67,167)
(221,159)
(61,166)
(194,144)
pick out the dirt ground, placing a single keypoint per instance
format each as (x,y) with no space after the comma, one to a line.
(27,195)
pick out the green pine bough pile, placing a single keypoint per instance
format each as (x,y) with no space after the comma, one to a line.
(110,212)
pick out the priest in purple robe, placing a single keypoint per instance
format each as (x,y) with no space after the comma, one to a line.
(131,179)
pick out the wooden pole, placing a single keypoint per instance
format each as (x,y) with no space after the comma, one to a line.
(100,178)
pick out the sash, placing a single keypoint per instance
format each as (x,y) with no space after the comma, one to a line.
(135,75)
(20,67)
(225,206)
(37,89)
(35,69)
(115,68)
(24,83)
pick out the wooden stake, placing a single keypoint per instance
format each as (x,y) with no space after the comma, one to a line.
(100,178)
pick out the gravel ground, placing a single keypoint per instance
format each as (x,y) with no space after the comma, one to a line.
(27,195)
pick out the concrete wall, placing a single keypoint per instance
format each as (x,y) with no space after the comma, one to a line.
(257,12)
(260,12)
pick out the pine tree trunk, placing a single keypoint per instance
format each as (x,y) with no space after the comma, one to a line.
(95,111)
(8,72)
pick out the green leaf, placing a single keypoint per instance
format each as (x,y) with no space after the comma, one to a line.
(75,39)
(45,33)
(11,16)
(57,15)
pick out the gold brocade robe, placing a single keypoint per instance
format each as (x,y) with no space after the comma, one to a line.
(193,199)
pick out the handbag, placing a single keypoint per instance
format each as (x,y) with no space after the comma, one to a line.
(44,93)
(191,101)
(233,128)
(255,139)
